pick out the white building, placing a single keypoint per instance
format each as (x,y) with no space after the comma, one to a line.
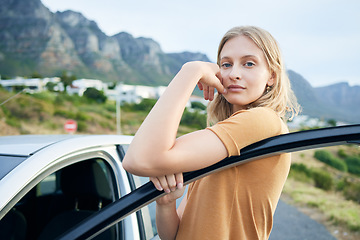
(30,85)
(302,121)
(134,93)
(79,86)
(122,92)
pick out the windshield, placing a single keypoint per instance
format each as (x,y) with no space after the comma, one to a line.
(8,163)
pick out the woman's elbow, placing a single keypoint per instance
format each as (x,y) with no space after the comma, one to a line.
(130,165)
(143,166)
(134,165)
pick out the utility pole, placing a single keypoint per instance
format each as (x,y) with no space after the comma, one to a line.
(118,115)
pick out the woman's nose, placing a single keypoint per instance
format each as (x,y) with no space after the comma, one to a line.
(235,73)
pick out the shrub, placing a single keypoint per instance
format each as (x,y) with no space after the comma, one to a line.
(65,114)
(75,100)
(194,119)
(94,94)
(341,153)
(322,179)
(300,167)
(45,95)
(111,107)
(145,105)
(81,116)
(329,159)
(353,164)
(352,192)
(341,184)
(14,122)
(300,172)
(198,105)
(81,126)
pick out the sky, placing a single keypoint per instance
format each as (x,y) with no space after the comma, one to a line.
(319,39)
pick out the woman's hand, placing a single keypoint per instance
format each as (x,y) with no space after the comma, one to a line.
(209,78)
(172,184)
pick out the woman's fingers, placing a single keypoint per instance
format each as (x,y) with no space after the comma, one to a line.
(211,93)
(171,181)
(210,80)
(156,183)
(206,93)
(179,180)
(168,183)
(220,88)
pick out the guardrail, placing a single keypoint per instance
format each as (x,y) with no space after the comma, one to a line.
(286,143)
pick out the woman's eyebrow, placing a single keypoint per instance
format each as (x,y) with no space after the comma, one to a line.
(225,58)
(249,56)
(243,57)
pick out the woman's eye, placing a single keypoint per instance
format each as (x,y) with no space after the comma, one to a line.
(226,65)
(249,64)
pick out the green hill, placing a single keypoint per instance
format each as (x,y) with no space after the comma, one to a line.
(47,112)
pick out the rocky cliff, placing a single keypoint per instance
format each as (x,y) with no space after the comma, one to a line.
(33,39)
(338,101)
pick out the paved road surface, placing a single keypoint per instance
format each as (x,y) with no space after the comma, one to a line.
(290,224)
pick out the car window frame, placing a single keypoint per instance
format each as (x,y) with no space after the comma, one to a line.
(99,152)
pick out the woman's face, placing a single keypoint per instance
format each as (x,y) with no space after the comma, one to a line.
(244,72)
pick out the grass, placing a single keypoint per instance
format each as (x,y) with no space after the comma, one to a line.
(332,205)
(336,212)
(46,113)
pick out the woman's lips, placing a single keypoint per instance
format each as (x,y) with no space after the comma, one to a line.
(235,88)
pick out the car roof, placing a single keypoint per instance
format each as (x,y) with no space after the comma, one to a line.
(26,145)
(24,157)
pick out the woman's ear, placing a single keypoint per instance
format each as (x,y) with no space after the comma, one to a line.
(272,78)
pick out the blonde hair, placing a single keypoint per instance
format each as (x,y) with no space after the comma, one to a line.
(280,97)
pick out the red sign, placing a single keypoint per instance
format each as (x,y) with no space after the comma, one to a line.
(70,126)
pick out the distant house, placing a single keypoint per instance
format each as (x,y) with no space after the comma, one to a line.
(30,85)
(134,93)
(79,86)
(122,92)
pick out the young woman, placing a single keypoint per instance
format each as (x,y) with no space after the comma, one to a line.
(253,102)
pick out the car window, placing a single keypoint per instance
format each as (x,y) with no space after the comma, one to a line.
(63,199)
(47,186)
(8,163)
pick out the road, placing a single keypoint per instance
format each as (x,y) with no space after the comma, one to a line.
(291,224)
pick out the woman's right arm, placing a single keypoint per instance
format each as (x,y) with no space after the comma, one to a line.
(167,216)
(155,150)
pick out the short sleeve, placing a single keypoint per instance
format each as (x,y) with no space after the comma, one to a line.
(246,127)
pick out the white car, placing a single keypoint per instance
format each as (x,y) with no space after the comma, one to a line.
(74,186)
(49,183)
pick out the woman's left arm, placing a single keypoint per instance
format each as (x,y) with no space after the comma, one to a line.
(155,151)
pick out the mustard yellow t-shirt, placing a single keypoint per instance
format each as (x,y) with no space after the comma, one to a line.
(239,202)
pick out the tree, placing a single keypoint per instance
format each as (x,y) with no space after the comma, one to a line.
(51,86)
(67,79)
(94,94)
(36,75)
(198,105)
(332,122)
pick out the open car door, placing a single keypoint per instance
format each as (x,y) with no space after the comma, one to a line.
(286,143)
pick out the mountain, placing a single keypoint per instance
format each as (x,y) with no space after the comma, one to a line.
(33,39)
(344,98)
(338,101)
